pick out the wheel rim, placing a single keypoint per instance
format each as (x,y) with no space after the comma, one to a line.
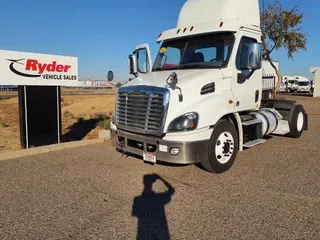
(300,121)
(224,147)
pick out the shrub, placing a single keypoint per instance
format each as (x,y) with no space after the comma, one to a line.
(80,119)
(101,116)
(107,123)
(68,114)
(104,124)
(3,125)
(100,124)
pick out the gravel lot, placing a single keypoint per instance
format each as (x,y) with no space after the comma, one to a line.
(272,192)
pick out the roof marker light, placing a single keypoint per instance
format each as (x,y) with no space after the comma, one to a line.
(178,31)
(221,24)
(184,30)
(191,29)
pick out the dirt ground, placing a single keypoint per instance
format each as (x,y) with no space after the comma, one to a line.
(80,115)
(9,125)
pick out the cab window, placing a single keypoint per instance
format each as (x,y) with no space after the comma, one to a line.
(209,54)
(171,58)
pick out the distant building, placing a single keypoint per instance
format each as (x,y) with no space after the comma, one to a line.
(8,88)
(95,84)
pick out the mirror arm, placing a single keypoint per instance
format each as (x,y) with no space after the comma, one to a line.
(180,95)
(242,77)
(250,74)
(174,85)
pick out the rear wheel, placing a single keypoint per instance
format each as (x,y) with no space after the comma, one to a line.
(223,148)
(297,122)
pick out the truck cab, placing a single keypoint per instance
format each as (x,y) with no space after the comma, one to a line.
(303,84)
(201,99)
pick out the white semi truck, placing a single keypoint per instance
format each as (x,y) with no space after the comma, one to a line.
(201,101)
(297,84)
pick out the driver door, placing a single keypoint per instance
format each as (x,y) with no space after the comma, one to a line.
(247,93)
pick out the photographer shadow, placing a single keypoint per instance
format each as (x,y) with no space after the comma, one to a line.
(149,208)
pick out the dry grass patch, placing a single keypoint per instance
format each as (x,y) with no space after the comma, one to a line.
(77,111)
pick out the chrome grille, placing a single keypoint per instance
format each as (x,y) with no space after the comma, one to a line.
(141,111)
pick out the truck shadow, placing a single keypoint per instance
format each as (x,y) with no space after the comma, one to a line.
(149,208)
(80,129)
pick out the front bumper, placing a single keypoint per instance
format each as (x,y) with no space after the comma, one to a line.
(190,152)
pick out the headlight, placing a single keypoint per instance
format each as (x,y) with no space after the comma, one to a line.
(186,122)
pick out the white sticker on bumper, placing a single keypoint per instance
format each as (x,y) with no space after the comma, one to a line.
(163,148)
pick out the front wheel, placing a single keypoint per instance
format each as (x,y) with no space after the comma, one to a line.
(223,148)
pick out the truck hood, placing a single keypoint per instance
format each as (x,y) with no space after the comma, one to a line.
(187,79)
(191,83)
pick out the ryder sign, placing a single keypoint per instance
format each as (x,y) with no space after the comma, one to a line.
(22,68)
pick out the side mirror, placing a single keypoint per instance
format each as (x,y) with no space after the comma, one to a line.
(110,76)
(255,56)
(254,61)
(133,65)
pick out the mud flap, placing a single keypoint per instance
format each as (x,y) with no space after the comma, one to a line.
(306,122)
(285,108)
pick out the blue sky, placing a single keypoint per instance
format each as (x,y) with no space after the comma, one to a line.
(101,33)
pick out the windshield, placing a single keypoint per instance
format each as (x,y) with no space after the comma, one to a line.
(303,83)
(203,51)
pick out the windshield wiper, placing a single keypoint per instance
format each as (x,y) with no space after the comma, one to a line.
(190,66)
(157,69)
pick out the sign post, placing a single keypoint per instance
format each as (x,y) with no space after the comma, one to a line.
(39,78)
(40,115)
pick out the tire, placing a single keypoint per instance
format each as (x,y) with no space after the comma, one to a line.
(222,148)
(296,126)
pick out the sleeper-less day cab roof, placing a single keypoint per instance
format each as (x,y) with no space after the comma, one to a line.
(204,16)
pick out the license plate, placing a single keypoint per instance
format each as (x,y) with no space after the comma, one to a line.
(150,157)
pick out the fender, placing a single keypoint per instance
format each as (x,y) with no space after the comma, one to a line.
(238,124)
(240,130)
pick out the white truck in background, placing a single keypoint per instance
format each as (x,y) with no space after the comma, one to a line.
(297,84)
(303,84)
(201,101)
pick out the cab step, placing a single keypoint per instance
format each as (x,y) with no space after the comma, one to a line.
(254,143)
(251,122)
